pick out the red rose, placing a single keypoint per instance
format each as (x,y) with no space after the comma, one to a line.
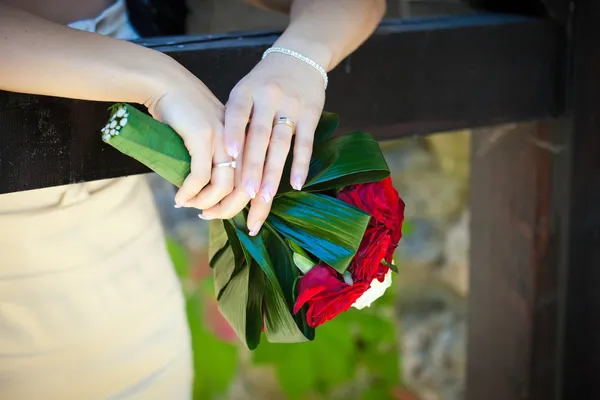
(379,199)
(326,293)
(372,250)
(323,288)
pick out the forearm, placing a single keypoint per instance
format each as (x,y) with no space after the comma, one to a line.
(40,57)
(328,30)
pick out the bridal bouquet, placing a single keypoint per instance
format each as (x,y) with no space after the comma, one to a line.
(321,251)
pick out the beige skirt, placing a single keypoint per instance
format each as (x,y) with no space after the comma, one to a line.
(90,307)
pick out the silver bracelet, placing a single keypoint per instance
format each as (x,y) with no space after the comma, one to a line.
(301,58)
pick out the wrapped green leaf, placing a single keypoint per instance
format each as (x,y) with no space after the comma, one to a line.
(149,141)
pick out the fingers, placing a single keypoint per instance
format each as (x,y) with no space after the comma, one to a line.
(221,180)
(303,146)
(237,115)
(255,151)
(279,147)
(233,203)
(200,147)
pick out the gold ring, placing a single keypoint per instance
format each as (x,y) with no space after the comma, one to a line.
(230,164)
(286,121)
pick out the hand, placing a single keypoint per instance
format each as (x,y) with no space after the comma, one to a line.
(279,86)
(191,109)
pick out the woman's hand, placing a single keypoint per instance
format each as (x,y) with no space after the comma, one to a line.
(279,86)
(189,107)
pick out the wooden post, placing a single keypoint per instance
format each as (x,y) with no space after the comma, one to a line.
(514,263)
(535,258)
(580,335)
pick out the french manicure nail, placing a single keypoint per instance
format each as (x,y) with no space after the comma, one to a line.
(256,228)
(205,217)
(266,195)
(251,191)
(177,205)
(233,150)
(297,183)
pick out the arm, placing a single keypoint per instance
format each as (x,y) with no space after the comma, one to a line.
(40,57)
(325,31)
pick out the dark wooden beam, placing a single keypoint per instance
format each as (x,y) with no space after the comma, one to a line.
(581,235)
(412,77)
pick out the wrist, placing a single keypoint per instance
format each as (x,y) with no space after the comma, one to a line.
(157,74)
(316,51)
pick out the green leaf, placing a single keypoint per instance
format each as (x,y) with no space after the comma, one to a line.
(327,125)
(303,263)
(346,160)
(280,324)
(224,261)
(297,249)
(390,266)
(325,226)
(254,310)
(154,144)
(233,302)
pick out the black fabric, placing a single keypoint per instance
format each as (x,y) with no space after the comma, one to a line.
(523,7)
(158,17)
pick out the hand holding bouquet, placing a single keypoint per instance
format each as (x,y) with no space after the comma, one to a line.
(321,251)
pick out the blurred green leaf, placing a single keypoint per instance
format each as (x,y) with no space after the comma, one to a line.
(179,257)
(215,362)
(356,339)
(324,226)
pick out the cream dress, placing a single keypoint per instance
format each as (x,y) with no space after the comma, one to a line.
(90,307)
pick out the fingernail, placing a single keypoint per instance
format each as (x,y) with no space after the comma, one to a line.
(256,228)
(177,205)
(250,190)
(205,217)
(266,195)
(297,183)
(233,150)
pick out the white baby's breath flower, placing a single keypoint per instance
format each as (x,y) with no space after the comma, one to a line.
(113,124)
(123,122)
(121,112)
(375,291)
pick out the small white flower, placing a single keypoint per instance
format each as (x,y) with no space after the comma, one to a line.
(121,112)
(113,124)
(375,291)
(106,137)
(113,132)
(123,122)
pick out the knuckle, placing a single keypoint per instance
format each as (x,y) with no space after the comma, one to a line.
(239,91)
(272,89)
(313,109)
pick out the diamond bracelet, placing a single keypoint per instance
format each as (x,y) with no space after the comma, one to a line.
(301,58)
